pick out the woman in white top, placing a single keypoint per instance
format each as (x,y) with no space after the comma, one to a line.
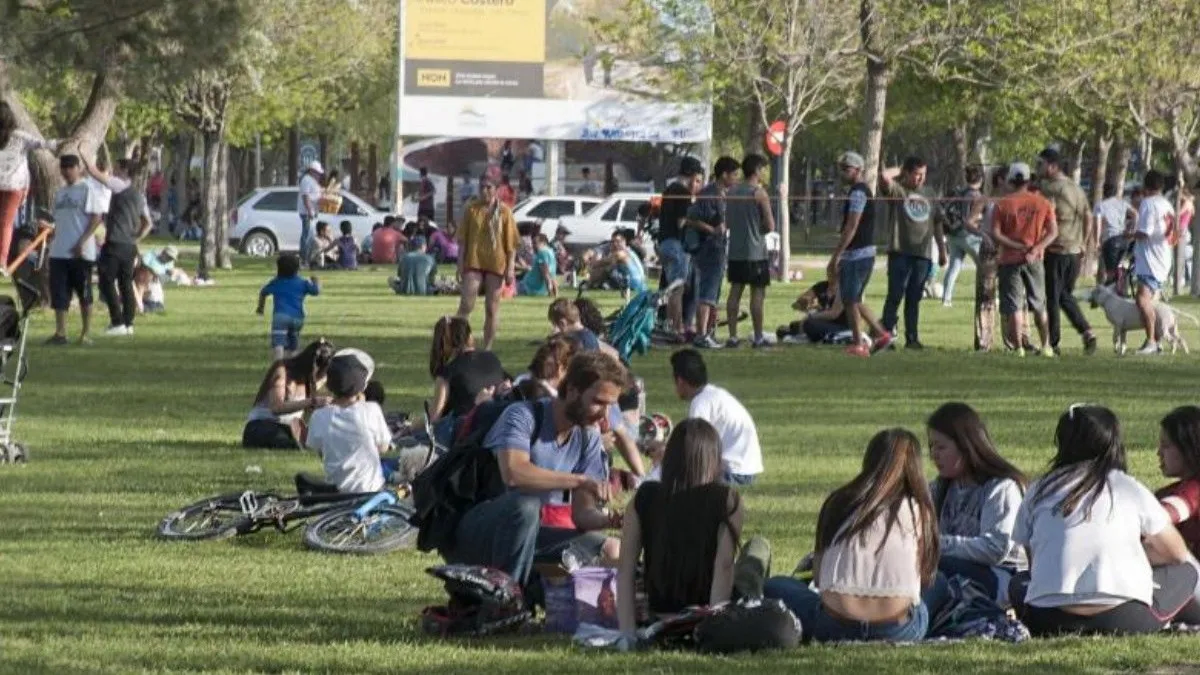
(1104,557)
(976,495)
(15,146)
(876,549)
(288,391)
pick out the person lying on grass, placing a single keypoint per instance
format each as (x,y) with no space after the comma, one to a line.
(1104,557)
(1179,457)
(551,458)
(685,527)
(288,391)
(876,550)
(351,433)
(976,495)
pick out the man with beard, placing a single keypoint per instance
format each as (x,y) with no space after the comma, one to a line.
(551,457)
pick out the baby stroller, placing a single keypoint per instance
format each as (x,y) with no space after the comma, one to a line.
(632,330)
(14,335)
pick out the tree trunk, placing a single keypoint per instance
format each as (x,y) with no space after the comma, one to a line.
(372,174)
(1077,161)
(1185,161)
(874,116)
(183,151)
(356,185)
(224,257)
(293,167)
(962,154)
(208,204)
(1104,144)
(1122,152)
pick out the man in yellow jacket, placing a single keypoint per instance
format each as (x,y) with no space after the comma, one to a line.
(487,250)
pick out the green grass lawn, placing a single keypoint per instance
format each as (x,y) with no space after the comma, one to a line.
(125,431)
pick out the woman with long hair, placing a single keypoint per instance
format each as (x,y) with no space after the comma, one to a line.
(1104,557)
(876,549)
(1179,458)
(287,393)
(462,376)
(15,146)
(686,527)
(976,495)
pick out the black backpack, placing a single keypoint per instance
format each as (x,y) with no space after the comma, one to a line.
(465,476)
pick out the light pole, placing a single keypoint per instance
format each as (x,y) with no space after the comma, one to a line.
(398,149)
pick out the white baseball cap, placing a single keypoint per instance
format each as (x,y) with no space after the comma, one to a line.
(1019,171)
(852,160)
(316,166)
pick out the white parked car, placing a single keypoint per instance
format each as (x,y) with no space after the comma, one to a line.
(618,211)
(266,221)
(550,210)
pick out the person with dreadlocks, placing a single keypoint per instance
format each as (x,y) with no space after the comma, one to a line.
(487,243)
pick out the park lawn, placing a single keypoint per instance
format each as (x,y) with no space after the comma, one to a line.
(127,430)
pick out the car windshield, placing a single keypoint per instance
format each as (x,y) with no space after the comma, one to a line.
(522,204)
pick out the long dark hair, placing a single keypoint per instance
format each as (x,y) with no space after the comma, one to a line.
(1182,426)
(960,423)
(1089,447)
(692,460)
(451,335)
(891,476)
(591,317)
(307,366)
(8,123)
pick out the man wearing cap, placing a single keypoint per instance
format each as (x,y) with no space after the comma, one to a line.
(350,433)
(1023,227)
(914,227)
(487,255)
(853,258)
(308,199)
(676,200)
(1076,233)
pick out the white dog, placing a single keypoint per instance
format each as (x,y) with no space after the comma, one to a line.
(1122,313)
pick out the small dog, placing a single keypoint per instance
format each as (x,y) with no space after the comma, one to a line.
(1122,313)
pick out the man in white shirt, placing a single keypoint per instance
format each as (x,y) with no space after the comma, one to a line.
(306,203)
(77,214)
(588,187)
(351,433)
(1152,254)
(1114,215)
(740,450)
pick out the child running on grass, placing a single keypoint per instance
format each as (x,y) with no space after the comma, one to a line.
(288,291)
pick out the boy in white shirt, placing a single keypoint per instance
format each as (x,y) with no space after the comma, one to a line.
(740,449)
(1152,254)
(351,433)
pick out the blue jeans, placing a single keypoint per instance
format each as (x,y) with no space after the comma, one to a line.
(961,245)
(506,533)
(704,281)
(906,281)
(819,625)
(306,238)
(285,331)
(853,277)
(742,479)
(674,260)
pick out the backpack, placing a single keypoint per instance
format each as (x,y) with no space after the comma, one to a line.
(959,209)
(463,477)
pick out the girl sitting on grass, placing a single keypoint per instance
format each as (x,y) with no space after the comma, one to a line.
(462,376)
(1104,557)
(288,391)
(976,496)
(687,527)
(1179,457)
(876,549)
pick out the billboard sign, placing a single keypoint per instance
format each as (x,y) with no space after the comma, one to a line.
(531,69)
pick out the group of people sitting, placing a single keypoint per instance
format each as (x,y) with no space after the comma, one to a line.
(1085,548)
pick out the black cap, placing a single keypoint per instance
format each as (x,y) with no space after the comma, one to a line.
(349,372)
(690,166)
(1050,156)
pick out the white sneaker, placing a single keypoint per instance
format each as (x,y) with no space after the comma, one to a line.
(129,330)
(707,342)
(795,340)
(117,330)
(767,339)
(1149,349)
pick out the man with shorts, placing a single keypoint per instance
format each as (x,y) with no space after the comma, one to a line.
(1023,226)
(1152,254)
(487,253)
(704,240)
(77,214)
(914,228)
(676,200)
(748,217)
(552,459)
(853,258)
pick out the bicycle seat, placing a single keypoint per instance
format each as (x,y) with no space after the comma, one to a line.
(307,484)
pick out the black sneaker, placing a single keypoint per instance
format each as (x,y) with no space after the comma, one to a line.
(1089,344)
(914,345)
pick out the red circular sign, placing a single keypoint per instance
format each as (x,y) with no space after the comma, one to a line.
(775,136)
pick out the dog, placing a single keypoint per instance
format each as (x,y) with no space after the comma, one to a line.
(1123,315)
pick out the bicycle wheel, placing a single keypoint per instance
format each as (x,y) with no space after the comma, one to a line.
(384,530)
(217,517)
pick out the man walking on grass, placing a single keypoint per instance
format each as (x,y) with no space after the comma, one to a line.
(1076,233)
(1154,241)
(913,229)
(853,258)
(1023,227)
(749,218)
